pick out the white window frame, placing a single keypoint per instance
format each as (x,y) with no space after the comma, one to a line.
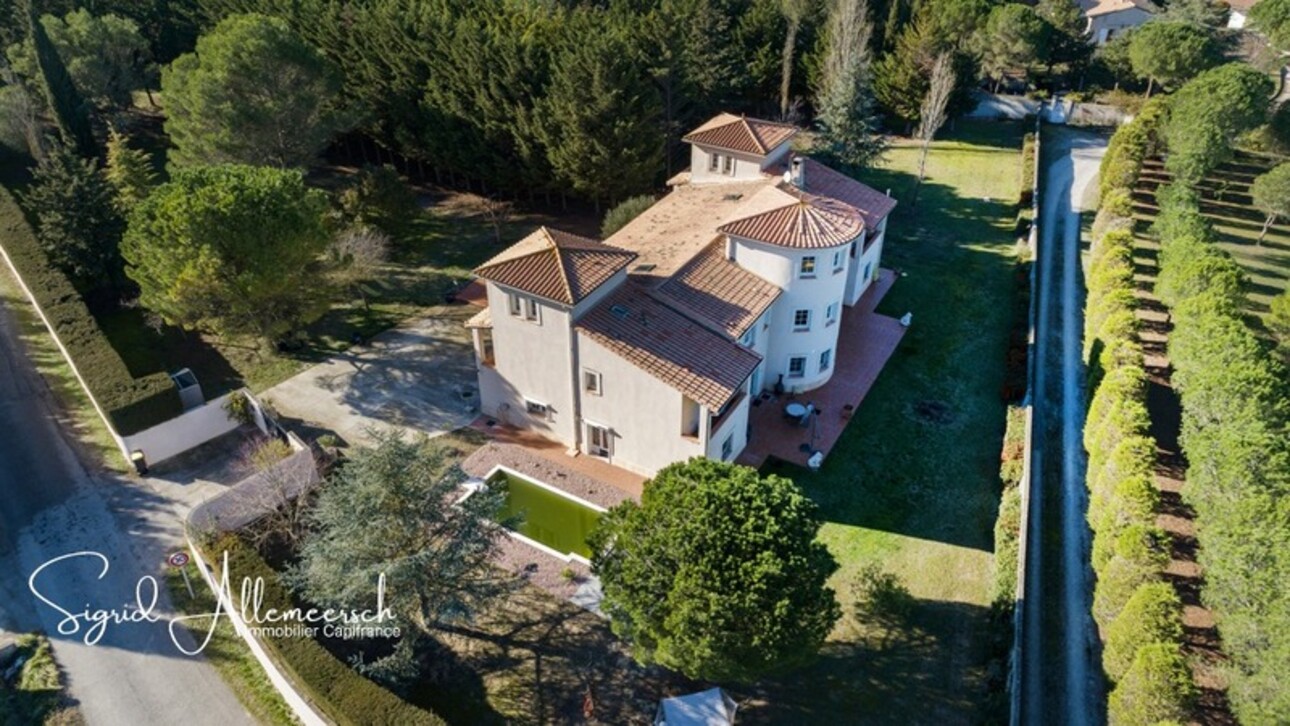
(593,382)
(537,409)
(728,447)
(607,450)
(838,265)
(831,314)
(515,304)
(801,373)
(801,327)
(806,267)
(728,165)
(826,360)
(532,311)
(714,163)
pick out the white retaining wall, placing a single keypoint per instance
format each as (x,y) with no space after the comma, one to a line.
(191,428)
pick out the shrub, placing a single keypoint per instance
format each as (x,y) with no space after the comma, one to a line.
(326,681)
(624,212)
(132,404)
(1156,688)
(1141,551)
(379,197)
(1130,146)
(1007,541)
(1152,615)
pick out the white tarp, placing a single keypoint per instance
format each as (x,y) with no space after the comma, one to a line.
(706,708)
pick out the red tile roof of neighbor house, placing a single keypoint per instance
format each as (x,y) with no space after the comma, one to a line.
(700,363)
(738,133)
(720,293)
(1104,7)
(556,265)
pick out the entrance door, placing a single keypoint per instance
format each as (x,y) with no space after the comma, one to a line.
(598,441)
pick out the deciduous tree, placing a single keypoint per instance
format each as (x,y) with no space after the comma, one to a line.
(717,572)
(253,92)
(1271,193)
(233,249)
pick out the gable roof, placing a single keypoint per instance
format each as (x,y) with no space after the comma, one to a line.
(1105,7)
(723,294)
(739,133)
(556,265)
(683,354)
(806,223)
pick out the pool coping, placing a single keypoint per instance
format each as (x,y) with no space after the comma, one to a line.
(563,556)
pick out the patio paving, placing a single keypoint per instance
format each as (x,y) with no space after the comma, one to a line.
(865,342)
(416,378)
(581,475)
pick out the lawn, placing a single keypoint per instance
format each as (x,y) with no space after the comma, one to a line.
(36,693)
(1226,203)
(916,494)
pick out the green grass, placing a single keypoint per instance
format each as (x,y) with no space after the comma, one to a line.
(1226,203)
(920,496)
(81,418)
(36,694)
(228,652)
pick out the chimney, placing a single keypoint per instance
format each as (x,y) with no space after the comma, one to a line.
(799,173)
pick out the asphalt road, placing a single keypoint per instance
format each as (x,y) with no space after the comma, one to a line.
(1060,681)
(51,506)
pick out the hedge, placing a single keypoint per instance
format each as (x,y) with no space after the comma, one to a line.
(1236,436)
(132,404)
(1156,689)
(1007,525)
(1152,615)
(339,691)
(1130,146)
(1141,552)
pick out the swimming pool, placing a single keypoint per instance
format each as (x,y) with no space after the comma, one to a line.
(544,516)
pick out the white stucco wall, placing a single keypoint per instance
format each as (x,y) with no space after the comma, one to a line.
(192,428)
(780,266)
(1103,28)
(735,426)
(532,361)
(746,166)
(643,414)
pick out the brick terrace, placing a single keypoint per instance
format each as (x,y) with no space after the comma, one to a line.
(865,343)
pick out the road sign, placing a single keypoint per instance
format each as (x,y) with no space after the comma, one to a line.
(178,559)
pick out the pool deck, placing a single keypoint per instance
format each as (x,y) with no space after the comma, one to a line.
(549,462)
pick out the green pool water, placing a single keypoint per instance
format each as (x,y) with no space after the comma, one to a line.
(544,516)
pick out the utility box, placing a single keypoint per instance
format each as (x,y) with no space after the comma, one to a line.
(190,391)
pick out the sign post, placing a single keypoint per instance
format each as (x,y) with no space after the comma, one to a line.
(180,560)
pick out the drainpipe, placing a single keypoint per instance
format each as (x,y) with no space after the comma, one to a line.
(575,375)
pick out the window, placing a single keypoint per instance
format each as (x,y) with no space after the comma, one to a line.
(801,320)
(826,360)
(599,442)
(727,165)
(749,338)
(727,447)
(538,410)
(868,270)
(486,352)
(591,382)
(514,304)
(797,366)
(807,268)
(837,262)
(532,311)
(831,314)
(714,162)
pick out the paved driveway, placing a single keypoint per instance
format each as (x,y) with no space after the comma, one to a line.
(419,377)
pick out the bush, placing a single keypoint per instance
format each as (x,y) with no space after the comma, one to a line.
(1130,146)
(132,404)
(624,212)
(1029,146)
(1157,688)
(1141,551)
(1007,542)
(327,682)
(378,197)
(1152,615)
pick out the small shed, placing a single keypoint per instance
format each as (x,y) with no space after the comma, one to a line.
(705,708)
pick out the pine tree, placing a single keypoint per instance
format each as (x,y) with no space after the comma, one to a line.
(129,171)
(850,128)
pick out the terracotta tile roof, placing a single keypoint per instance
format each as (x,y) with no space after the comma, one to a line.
(654,337)
(808,223)
(718,291)
(481,319)
(823,181)
(556,265)
(1114,6)
(737,133)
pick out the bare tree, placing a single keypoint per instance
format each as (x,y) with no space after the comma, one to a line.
(794,12)
(357,255)
(498,212)
(850,129)
(932,113)
(279,486)
(19,115)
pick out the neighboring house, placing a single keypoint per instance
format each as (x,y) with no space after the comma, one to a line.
(1240,13)
(647,348)
(1109,18)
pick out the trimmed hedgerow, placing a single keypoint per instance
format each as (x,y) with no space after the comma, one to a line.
(1007,525)
(132,404)
(1152,615)
(1157,689)
(338,690)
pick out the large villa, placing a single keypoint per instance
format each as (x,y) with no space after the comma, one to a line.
(733,319)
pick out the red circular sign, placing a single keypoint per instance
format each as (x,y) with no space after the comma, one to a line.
(178,559)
